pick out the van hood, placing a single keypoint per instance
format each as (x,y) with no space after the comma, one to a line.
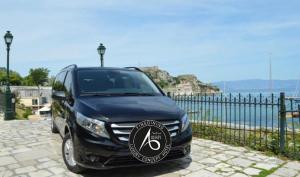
(132,108)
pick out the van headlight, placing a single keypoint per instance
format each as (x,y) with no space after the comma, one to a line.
(184,122)
(93,125)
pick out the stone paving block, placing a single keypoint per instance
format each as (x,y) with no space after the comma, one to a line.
(252,171)
(169,175)
(273,160)
(293,165)
(13,166)
(47,164)
(6,173)
(233,153)
(240,162)
(239,175)
(25,169)
(272,175)
(44,159)
(265,166)
(34,154)
(183,172)
(194,166)
(223,157)
(212,169)
(222,165)
(57,170)
(203,173)
(6,160)
(28,163)
(209,162)
(4,153)
(21,150)
(2,169)
(41,173)
(237,168)
(286,172)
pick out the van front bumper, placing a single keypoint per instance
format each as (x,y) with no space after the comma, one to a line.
(94,153)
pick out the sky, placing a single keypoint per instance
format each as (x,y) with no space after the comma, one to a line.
(214,39)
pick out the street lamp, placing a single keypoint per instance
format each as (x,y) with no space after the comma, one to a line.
(101,50)
(9,114)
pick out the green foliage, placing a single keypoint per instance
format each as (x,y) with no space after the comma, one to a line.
(22,112)
(163,84)
(27,112)
(2,75)
(38,76)
(15,78)
(50,81)
(261,139)
(177,80)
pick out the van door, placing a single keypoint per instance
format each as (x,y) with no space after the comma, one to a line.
(58,102)
(68,104)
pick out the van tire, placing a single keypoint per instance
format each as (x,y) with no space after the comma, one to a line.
(75,168)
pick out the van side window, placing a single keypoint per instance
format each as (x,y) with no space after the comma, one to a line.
(59,82)
(68,83)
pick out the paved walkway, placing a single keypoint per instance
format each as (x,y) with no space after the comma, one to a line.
(29,149)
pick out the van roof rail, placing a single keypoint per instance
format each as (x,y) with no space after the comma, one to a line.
(70,66)
(135,68)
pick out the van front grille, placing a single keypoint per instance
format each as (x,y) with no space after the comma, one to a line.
(122,130)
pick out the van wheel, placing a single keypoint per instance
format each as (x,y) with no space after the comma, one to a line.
(53,126)
(68,155)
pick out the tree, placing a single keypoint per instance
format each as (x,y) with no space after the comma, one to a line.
(50,81)
(15,78)
(38,77)
(2,76)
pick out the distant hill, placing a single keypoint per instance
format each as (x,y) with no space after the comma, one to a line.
(181,84)
(257,85)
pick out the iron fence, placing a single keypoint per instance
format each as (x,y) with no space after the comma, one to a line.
(263,122)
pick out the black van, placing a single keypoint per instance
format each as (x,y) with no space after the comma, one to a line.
(95,108)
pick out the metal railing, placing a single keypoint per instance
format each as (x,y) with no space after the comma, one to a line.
(263,122)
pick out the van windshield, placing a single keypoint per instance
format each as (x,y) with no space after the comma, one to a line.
(115,82)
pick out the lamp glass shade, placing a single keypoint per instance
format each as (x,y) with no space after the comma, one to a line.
(8,37)
(101,49)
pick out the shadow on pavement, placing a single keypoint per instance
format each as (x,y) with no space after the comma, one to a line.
(142,171)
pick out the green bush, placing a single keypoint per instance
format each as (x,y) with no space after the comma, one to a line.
(27,112)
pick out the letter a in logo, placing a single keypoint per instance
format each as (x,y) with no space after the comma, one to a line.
(147,137)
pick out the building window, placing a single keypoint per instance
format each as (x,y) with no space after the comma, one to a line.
(34,102)
(44,100)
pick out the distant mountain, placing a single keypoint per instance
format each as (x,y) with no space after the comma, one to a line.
(257,85)
(181,84)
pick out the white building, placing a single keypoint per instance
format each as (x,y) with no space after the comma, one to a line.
(33,97)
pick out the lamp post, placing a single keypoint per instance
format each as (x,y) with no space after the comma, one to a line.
(101,50)
(9,114)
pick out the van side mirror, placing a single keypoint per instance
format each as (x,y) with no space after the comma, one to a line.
(59,95)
